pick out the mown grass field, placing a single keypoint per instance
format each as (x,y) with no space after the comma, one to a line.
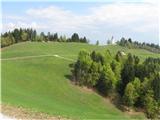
(41,83)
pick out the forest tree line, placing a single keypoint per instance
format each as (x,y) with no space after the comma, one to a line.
(29,34)
(132,83)
(22,35)
(135,44)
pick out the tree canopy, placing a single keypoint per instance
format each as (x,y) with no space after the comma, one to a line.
(135,44)
(137,83)
(22,35)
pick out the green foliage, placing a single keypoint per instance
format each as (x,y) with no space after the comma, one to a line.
(156,86)
(97,57)
(108,74)
(132,92)
(55,37)
(116,68)
(39,38)
(119,56)
(137,85)
(75,37)
(6,41)
(129,95)
(151,105)
(107,80)
(94,72)
(107,58)
(104,85)
(130,44)
(17,35)
(22,35)
(127,75)
(82,68)
(145,86)
(63,38)
(88,70)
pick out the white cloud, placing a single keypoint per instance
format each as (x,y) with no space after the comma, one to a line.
(151,1)
(13,17)
(61,19)
(126,13)
(20,24)
(145,28)
(116,14)
(50,12)
(137,17)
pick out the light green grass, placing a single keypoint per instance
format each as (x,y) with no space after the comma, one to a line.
(41,83)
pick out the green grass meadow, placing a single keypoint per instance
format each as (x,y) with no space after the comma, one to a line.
(42,84)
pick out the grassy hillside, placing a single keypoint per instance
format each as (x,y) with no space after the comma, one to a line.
(41,83)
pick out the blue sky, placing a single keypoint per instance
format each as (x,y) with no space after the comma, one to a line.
(98,20)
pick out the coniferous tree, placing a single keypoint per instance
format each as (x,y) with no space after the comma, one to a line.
(156,86)
(75,37)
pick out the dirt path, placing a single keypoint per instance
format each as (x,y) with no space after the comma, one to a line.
(9,112)
(63,58)
(37,56)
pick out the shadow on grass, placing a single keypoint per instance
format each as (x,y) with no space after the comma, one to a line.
(70,76)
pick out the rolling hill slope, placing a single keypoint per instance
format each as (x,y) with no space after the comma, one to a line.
(41,83)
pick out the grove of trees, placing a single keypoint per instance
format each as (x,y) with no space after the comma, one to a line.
(134,44)
(22,35)
(136,83)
